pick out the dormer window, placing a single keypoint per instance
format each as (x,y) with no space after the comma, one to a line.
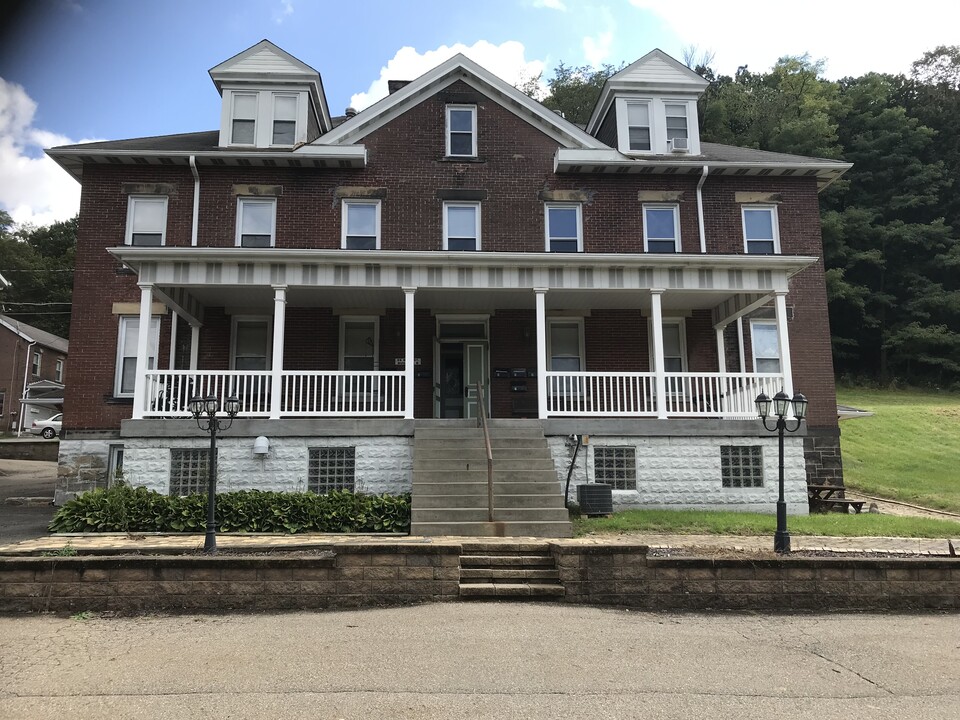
(284,119)
(676,122)
(638,126)
(657,125)
(244,119)
(461,130)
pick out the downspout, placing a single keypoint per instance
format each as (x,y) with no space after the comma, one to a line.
(196,200)
(703,233)
(26,369)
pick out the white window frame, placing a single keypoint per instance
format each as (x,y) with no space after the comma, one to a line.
(546,223)
(273,118)
(58,370)
(458,204)
(686,119)
(233,116)
(473,130)
(774,221)
(623,127)
(153,344)
(241,201)
(676,224)
(682,323)
(36,362)
(132,202)
(114,463)
(344,319)
(344,217)
(754,323)
(266,320)
(551,322)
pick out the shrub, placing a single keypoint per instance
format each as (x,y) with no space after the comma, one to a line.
(126,509)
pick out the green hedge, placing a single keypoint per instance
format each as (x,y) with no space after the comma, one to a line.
(126,509)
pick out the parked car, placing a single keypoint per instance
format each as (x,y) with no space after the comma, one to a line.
(48,428)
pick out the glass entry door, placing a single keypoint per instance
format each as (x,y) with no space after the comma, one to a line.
(461,360)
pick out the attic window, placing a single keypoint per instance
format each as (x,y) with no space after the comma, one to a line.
(284,119)
(638,125)
(676,121)
(244,119)
(461,131)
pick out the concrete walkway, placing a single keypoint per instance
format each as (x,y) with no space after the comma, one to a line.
(120,543)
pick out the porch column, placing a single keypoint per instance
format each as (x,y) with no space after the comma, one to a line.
(194,346)
(174,318)
(660,378)
(541,294)
(785,367)
(143,350)
(721,351)
(276,377)
(408,293)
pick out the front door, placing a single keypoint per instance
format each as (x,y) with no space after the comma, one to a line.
(461,350)
(451,380)
(475,372)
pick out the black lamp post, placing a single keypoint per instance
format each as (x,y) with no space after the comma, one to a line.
(781,404)
(205,411)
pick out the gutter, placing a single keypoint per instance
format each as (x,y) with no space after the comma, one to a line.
(703,233)
(196,200)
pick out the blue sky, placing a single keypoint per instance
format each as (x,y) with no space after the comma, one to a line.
(74,70)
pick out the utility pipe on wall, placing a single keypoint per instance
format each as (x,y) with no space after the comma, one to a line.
(703,234)
(196,200)
(26,369)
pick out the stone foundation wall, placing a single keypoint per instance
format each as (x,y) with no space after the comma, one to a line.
(684,472)
(824,462)
(82,466)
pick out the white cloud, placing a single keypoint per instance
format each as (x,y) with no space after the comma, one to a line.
(596,49)
(506,61)
(283,12)
(33,188)
(853,36)
(550,4)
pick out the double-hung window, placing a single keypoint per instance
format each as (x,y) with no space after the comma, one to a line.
(35,364)
(360,225)
(461,130)
(676,116)
(564,228)
(251,343)
(638,126)
(661,228)
(461,226)
(358,343)
(126,369)
(674,354)
(256,222)
(766,346)
(146,220)
(244,127)
(761,234)
(284,119)
(58,371)
(566,345)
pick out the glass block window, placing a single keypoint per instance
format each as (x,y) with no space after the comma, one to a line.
(331,468)
(188,471)
(741,466)
(616,466)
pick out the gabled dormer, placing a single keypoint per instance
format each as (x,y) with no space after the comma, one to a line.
(270,99)
(650,108)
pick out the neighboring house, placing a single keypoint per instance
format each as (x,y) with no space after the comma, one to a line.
(351,279)
(33,368)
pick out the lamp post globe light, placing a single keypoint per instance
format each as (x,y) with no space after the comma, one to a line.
(204,411)
(781,403)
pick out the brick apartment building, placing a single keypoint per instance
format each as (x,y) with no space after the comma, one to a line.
(352,279)
(33,366)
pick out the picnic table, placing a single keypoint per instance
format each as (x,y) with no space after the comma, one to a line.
(831,497)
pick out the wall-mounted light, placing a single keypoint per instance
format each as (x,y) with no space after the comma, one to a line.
(261,446)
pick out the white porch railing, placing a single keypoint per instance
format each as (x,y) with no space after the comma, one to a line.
(606,394)
(342,393)
(168,392)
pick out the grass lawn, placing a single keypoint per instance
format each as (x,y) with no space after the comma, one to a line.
(909,450)
(698,522)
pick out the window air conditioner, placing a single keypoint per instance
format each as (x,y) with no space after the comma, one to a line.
(680,145)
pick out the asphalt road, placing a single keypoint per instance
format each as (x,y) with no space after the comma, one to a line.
(25,478)
(474,661)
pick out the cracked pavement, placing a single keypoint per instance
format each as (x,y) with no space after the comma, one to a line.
(503,660)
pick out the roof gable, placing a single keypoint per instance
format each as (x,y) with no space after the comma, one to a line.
(656,69)
(459,67)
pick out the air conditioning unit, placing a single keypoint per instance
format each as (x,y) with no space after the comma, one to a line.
(680,145)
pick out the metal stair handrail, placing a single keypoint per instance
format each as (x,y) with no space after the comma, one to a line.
(482,423)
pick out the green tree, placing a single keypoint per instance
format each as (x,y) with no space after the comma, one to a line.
(573,91)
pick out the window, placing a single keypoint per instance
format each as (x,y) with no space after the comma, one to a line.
(58,371)
(461,226)
(35,364)
(361,225)
(251,343)
(741,466)
(676,121)
(256,222)
(461,131)
(761,234)
(284,119)
(564,228)
(127,353)
(332,468)
(358,343)
(115,465)
(661,228)
(766,346)
(566,345)
(244,131)
(146,221)
(616,466)
(674,346)
(188,471)
(638,126)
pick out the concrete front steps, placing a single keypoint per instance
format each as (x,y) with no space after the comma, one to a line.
(492,572)
(450,481)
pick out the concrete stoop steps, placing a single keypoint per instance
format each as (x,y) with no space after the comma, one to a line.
(487,572)
(450,482)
